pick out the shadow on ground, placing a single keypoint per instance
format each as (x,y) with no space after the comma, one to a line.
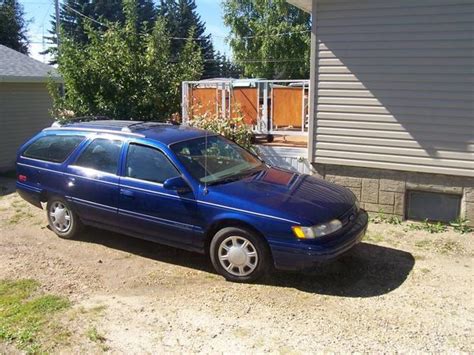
(369,270)
(7,185)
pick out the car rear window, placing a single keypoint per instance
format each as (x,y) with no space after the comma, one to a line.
(102,155)
(53,148)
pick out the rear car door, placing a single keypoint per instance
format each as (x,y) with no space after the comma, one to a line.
(146,207)
(93,181)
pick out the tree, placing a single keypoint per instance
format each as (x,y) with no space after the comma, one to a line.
(123,71)
(226,68)
(13,26)
(269,38)
(73,23)
(181,16)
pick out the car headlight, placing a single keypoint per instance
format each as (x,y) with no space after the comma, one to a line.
(317,230)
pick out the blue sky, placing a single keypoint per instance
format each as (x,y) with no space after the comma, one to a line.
(40,11)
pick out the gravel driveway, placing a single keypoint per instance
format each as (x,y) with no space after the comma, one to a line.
(398,291)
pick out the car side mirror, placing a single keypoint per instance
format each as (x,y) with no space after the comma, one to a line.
(176,183)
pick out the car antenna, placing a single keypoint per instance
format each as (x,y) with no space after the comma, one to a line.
(205,164)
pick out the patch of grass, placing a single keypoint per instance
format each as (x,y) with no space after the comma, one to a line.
(425,270)
(24,314)
(430,227)
(460,225)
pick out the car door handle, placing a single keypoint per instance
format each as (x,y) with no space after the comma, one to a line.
(71,181)
(127,193)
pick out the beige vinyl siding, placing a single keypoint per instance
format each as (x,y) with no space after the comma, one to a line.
(24,111)
(395,85)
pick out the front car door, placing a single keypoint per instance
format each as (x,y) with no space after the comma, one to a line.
(148,209)
(93,181)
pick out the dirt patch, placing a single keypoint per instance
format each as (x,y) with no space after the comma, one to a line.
(400,290)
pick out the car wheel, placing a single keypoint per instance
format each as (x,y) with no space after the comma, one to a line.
(239,255)
(62,219)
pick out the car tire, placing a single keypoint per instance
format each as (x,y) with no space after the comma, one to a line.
(239,254)
(62,219)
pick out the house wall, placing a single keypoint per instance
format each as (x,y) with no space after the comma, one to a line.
(24,110)
(381,190)
(395,85)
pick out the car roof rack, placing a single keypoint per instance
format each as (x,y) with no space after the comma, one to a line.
(103,123)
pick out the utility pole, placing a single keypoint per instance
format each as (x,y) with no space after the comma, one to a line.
(58,42)
(56,5)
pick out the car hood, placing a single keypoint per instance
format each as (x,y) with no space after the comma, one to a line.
(284,194)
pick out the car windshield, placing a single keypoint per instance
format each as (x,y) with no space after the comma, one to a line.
(216,159)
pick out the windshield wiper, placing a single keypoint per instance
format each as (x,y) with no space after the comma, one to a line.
(239,176)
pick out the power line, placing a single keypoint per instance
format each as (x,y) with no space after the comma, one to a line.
(198,39)
(275,35)
(268,60)
(85,16)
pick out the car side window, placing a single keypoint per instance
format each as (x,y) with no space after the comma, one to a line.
(54,148)
(102,154)
(146,163)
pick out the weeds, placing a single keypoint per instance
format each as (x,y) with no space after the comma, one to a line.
(382,218)
(24,315)
(95,336)
(460,225)
(98,338)
(427,226)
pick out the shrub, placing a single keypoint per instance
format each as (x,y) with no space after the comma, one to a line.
(233,128)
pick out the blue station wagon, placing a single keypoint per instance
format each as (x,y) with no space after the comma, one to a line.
(190,189)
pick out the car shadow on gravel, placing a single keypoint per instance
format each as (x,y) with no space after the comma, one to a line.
(7,185)
(368,270)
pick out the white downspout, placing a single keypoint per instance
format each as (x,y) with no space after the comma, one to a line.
(313,84)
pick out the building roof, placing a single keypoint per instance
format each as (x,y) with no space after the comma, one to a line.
(305,5)
(162,132)
(16,67)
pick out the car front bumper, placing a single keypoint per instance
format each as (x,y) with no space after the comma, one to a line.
(301,255)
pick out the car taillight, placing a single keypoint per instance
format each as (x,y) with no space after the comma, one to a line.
(22,178)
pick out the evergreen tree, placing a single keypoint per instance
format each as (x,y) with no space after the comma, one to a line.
(181,18)
(13,26)
(227,68)
(72,23)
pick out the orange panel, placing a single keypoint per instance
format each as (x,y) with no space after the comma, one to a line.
(287,107)
(203,100)
(244,101)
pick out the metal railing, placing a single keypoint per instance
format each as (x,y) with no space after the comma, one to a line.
(281,106)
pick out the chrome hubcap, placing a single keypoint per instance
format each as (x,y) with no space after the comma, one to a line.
(238,256)
(60,216)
